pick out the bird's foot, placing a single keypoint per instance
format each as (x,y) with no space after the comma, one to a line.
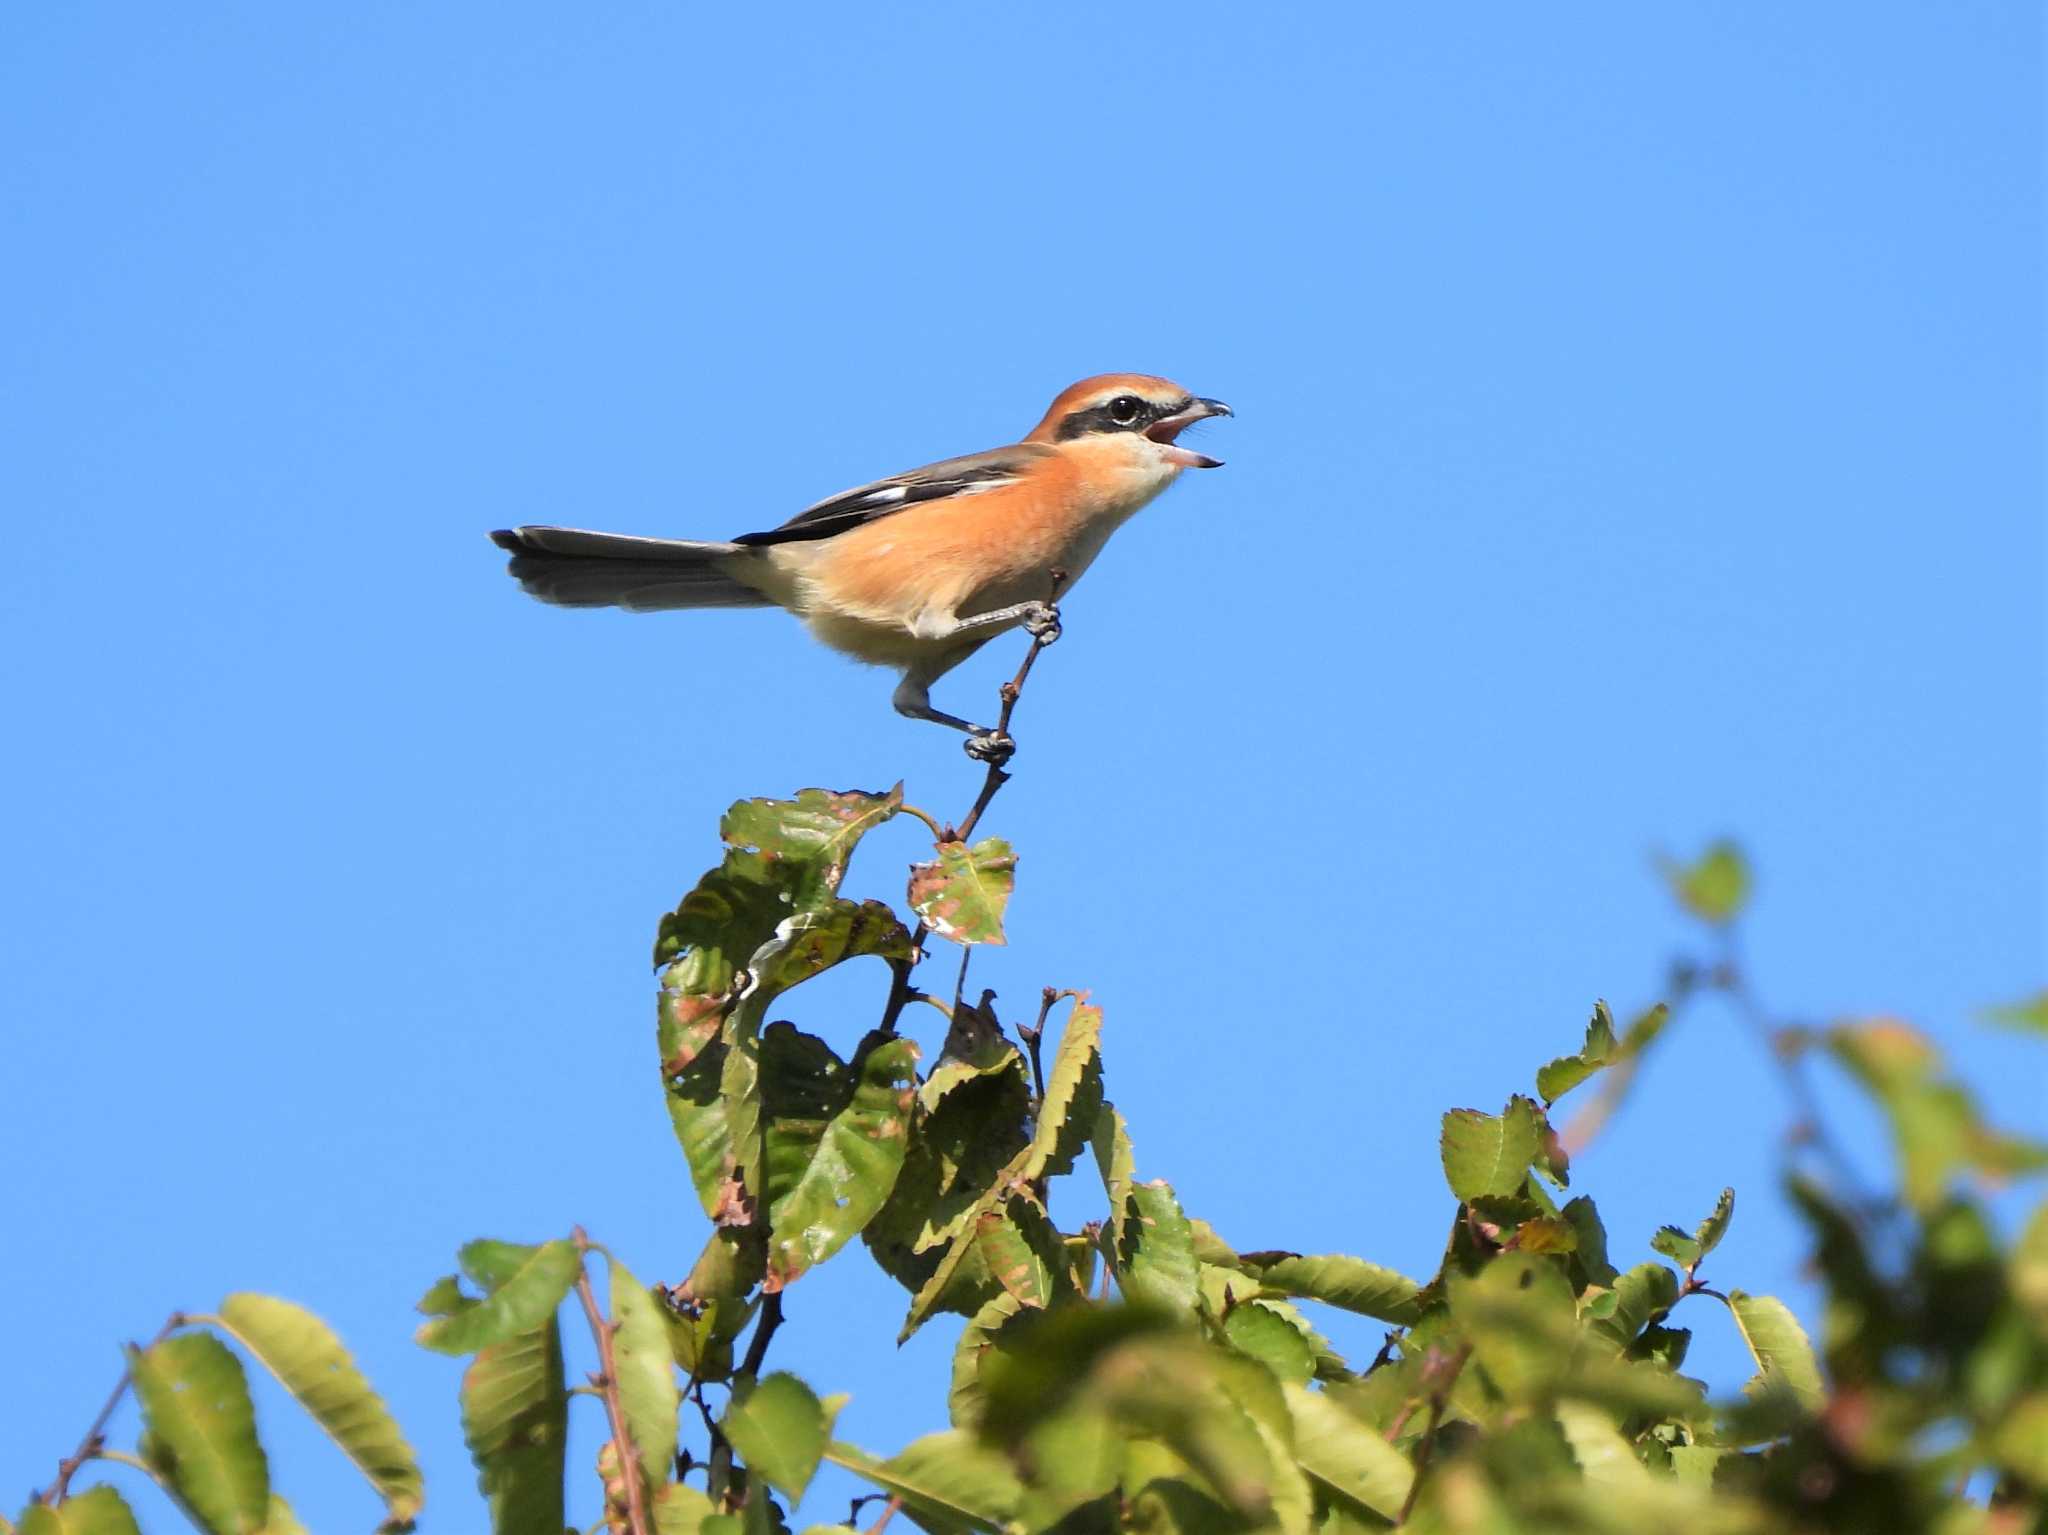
(1042,623)
(991,746)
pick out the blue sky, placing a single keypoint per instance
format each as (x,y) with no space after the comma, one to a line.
(1639,439)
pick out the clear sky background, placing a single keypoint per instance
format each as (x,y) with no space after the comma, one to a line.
(1639,440)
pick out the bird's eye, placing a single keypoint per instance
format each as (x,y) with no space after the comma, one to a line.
(1125,409)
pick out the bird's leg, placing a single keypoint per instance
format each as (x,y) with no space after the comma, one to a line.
(1041,620)
(984,743)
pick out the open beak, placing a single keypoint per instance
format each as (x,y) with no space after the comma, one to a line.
(1167,428)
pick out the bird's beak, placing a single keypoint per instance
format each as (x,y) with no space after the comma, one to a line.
(1167,428)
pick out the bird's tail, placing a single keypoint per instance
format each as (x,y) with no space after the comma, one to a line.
(576,569)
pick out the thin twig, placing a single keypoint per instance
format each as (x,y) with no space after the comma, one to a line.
(1010,692)
(1427,1444)
(887,1514)
(900,990)
(1034,1034)
(764,1330)
(96,1436)
(607,1382)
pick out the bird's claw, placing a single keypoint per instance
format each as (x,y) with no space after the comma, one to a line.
(994,747)
(1042,623)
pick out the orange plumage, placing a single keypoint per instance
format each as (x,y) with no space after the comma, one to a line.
(920,570)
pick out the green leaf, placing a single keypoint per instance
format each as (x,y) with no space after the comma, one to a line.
(2030,1016)
(282,1521)
(2020,1441)
(444,1297)
(1568,1071)
(818,827)
(646,1372)
(680,1509)
(1674,1244)
(964,1396)
(855,1166)
(961,894)
(780,1429)
(1934,1121)
(202,1430)
(1257,1331)
(1347,1456)
(1707,1235)
(1638,1297)
(1073,1098)
(1350,1284)
(1156,1264)
(949,1482)
(1714,887)
(524,1293)
(515,1420)
(1117,1161)
(96,1511)
(1486,1154)
(1003,1237)
(307,1357)
(2028,1269)
(1779,1345)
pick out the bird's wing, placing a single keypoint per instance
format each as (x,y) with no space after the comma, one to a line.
(946,480)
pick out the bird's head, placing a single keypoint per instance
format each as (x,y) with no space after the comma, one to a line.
(1140,414)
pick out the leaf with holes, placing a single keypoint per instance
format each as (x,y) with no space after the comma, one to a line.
(962,893)
(854,1168)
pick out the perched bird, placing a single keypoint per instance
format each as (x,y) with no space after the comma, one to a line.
(920,570)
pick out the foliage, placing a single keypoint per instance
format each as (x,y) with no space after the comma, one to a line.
(1139,1373)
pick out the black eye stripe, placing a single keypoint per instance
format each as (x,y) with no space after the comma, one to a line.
(1097,418)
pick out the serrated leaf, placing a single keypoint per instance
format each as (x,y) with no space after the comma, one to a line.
(1156,1264)
(202,1430)
(780,1429)
(1488,1154)
(1005,1248)
(523,1296)
(646,1372)
(1777,1342)
(515,1420)
(310,1361)
(949,1482)
(1117,1161)
(963,1395)
(1707,1235)
(1073,1098)
(854,1168)
(1350,1284)
(1715,886)
(1675,1245)
(1637,1297)
(963,892)
(1259,1332)
(95,1511)
(1346,1455)
(1568,1071)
